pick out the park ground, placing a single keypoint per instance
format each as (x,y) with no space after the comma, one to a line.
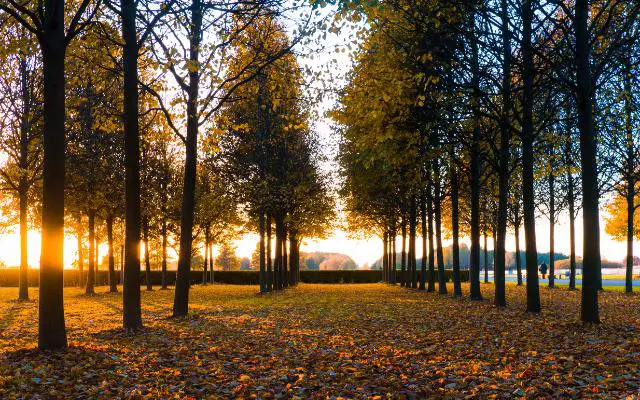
(326,341)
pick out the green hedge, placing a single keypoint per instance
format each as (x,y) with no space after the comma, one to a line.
(9,277)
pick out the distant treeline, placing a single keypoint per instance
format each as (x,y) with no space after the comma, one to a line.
(510,258)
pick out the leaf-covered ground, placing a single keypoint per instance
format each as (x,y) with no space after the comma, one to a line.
(326,341)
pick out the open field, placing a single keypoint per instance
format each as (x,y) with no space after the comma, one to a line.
(355,341)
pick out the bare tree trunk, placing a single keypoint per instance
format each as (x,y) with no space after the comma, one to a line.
(589,166)
(164,254)
(533,289)
(79,236)
(423,266)
(412,243)
(92,251)
(51,327)
(442,279)
(631,160)
(286,269)
(552,231)
(181,299)
(403,255)
(486,259)
(270,277)
(431,284)
(132,310)
(455,232)
(113,279)
(474,268)
(518,259)
(147,256)
(263,279)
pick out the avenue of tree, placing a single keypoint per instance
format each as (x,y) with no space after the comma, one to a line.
(183,123)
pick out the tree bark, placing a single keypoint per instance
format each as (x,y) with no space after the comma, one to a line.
(423,265)
(412,244)
(631,161)
(474,267)
(518,259)
(113,279)
(132,310)
(533,290)
(164,254)
(286,269)
(181,299)
(442,279)
(552,231)
(270,277)
(51,327)
(455,232)
(486,259)
(590,189)
(79,235)
(147,256)
(403,255)
(431,285)
(92,251)
(263,280)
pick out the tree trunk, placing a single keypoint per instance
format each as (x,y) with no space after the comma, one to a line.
(79,235)
(631,161)
(132,311)
(455,232)
(211,263)
(164,254)
(423,265)
(294,257)
(533,290)
(270,277)
(205,264)
(431,285)
(552,232)
(393,257)
(286,269)
(263,278)
(24,261)
(412,243)
(474,267)
(590,189)
(51,328)
(518,260)
(442,279)
(503,173)
(181,299)
(486,259)
(403,255)
(92,251)
(384,257)
(278,260)
(113,279)
(147,256)
(572,213)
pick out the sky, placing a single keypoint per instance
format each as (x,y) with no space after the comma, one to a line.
(316,56)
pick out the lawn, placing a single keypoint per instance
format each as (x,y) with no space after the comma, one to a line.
(318,341)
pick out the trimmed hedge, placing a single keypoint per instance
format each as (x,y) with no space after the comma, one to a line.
(9,277)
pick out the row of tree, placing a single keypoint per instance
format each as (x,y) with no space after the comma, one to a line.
(104,123)
(466,118)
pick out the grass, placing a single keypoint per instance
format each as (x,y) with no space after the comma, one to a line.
(318,341)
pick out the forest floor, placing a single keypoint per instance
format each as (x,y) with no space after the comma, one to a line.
(326,341)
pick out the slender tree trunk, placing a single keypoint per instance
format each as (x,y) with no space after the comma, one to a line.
(552,232)
(164,254)
(412,243)
(486,259)
(572,219)
(92,251)
(423,264)
(455,232)
(113,279)
(431,285)
(205,264)
(24,261)
(442,279)
(278,260)
(181,299)
(211,262)
(393,257)
(51,327)
(262,276)
(132,311)
(147,256)
(270,277)
(79,236)
(286,269)
(384,257)
(403,255)
(474,267)
(499,252)
(533,289)
(631,160)
(518,259)
(590,189)
(294,258)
